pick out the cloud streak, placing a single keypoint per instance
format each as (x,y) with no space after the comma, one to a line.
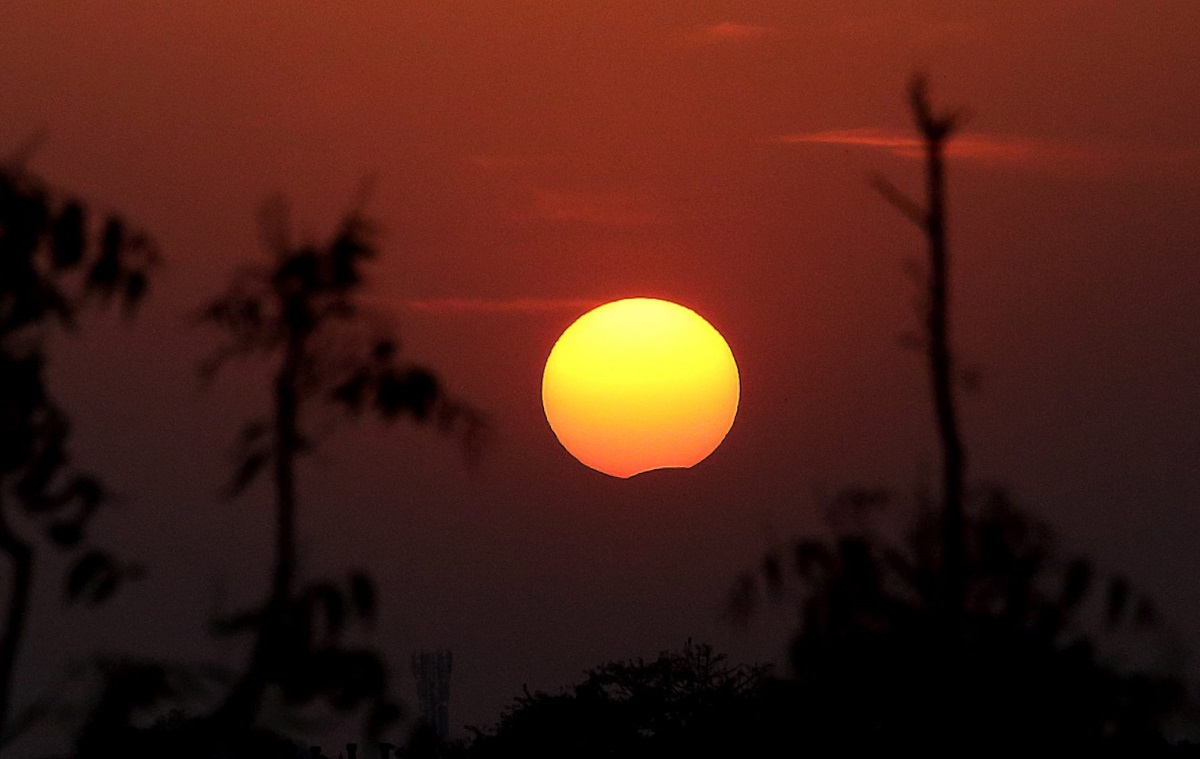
(517,306)
(728,32)
(979,147)
(600,209)
(499,162)
(1005,150)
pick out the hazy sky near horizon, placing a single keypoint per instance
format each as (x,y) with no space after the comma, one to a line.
(532,158)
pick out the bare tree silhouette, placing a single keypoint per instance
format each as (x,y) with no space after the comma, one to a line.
(935,130)
(970,630)
(53,265)
(305,313)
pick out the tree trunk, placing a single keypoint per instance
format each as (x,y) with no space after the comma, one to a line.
(20,559)
(935,131)
(242,706)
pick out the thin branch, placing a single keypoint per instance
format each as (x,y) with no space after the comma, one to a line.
(934,127)
(908,207)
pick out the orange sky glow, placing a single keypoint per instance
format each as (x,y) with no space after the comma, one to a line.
(531,160)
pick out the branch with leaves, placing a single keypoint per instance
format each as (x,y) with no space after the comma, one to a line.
(54,264)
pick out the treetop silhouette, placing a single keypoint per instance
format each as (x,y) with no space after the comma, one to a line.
(691,702)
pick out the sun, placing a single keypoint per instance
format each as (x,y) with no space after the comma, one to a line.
(640,384)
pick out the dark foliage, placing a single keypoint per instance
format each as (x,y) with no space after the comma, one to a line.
(54,263)
(175,735)
(310,659)
(686,703)
(305,313)
(874,665)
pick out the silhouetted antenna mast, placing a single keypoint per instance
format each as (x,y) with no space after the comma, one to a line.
(432,670)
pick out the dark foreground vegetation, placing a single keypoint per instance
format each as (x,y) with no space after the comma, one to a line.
(967,632)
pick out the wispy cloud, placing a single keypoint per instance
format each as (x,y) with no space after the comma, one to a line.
(599,208)
(968,146)
(453,305)
(729,32)
(993,149)
(510,161)
(901,24)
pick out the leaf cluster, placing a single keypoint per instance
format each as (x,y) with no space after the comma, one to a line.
(54,259)
(54,263)
(311,660)
(306,310)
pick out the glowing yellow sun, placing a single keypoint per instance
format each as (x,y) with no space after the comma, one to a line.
(640,384)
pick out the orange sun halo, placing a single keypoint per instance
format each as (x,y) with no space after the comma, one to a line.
(640,384)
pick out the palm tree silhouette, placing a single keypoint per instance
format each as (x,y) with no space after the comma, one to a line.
(305,313)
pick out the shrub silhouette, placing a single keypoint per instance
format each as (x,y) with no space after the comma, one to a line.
(683,703)
(873,664)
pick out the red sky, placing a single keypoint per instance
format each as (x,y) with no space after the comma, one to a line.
(532,158)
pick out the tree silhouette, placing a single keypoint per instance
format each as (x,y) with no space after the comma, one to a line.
(54,264)
(935,130)
(970,632)
(691,702)
(305,313)
(871,659)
